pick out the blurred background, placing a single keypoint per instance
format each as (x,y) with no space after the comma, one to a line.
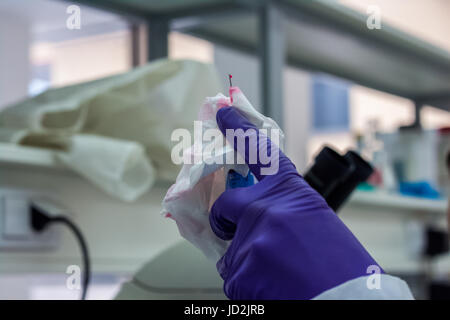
(318,70)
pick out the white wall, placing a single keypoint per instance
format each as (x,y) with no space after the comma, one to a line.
(90,58)
(14,62)
(297,115)
(426,19)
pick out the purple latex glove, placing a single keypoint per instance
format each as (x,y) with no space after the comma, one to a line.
(287,243)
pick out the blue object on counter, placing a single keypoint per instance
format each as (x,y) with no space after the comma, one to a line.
(235,180)
(420,189)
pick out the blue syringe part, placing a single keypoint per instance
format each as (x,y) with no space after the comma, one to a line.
(235,180)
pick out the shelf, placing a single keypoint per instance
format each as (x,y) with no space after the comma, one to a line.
(16,154)
(327,37)
(382,199)
(321,36)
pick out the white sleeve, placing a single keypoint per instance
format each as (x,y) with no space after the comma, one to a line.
(390,288)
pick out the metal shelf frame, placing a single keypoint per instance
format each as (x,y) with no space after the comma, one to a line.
(316,35)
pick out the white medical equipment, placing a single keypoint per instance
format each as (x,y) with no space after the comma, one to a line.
(115,131)
(179,272)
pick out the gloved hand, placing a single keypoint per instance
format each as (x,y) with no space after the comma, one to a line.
(287,243)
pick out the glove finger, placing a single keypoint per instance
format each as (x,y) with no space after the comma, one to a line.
(223,216)
(261,155)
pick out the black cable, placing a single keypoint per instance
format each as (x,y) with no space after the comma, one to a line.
(40,220)
(84,251)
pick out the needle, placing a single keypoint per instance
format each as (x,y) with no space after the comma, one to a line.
(229,78)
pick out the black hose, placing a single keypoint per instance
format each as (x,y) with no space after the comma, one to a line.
(40,220)
(84,251)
